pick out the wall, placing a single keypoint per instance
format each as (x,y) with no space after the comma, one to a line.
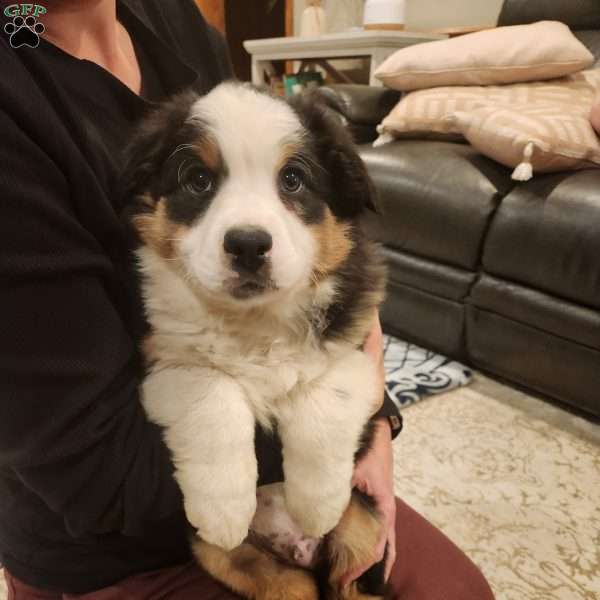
(431,14)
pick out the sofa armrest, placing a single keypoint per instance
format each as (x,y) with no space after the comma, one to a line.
(362,106)
(581,14)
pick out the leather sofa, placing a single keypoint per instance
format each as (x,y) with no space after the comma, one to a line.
(502,275)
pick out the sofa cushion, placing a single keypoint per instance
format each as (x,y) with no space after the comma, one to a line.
(522,353)
(435,198)
(428,276)
(541,341)
(546,235)
(537,309)
(425,319)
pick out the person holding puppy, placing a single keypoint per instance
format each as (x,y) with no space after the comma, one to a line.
(88,505)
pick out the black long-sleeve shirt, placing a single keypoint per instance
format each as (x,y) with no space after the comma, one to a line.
(87,495)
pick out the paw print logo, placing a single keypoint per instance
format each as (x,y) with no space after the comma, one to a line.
(24,31)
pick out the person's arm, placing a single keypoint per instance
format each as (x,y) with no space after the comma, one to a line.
(388,411)
(71,426)
(374,471)
(595,115)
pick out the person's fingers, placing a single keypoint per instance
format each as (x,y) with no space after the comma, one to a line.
(595,116)
(388,537)
(378,553)
(391,555)
(380,548)
(389,512)
(352,576)
(377,557)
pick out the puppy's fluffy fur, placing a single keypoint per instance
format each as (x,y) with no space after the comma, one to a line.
(259,289)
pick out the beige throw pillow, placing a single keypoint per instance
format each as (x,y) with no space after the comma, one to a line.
(543,50)
(531,138)
(542,126)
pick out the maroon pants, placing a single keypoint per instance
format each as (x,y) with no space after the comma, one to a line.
(428,567)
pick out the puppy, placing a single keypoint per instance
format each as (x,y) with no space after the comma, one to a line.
(259,289)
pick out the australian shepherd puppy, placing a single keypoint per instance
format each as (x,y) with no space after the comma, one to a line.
(260,289)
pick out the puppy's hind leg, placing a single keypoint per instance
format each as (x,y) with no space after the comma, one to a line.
(255,574)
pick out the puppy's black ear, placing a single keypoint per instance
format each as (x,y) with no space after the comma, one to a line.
(351,187)
(155,139)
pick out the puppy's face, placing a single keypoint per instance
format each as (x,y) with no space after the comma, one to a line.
(246,196)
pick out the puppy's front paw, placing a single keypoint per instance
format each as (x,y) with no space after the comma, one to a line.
(316,512)
(223,523)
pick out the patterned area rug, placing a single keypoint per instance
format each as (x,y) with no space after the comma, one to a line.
(413,373)
(512,481)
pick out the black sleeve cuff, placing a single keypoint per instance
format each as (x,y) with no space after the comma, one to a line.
(390,411)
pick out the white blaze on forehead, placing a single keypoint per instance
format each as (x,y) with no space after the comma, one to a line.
(251,128)
(254,133)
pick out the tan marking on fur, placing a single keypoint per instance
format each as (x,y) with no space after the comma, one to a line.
(255,574)
(289,149)
(158,231)
(209,152)
(354,594)
(146,200)
(352,542)
(333,243)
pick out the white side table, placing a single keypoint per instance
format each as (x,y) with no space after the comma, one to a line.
(375,45)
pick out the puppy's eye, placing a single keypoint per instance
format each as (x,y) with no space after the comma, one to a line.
(291,180)
(198,181)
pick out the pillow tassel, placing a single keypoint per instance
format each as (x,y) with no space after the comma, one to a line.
(524,171)
(384,138)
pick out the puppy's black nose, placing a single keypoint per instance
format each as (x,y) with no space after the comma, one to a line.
(248,247)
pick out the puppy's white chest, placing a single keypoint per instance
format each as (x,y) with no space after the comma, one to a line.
(269,373)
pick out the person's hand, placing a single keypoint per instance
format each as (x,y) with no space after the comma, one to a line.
(595,116)
(373,473)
